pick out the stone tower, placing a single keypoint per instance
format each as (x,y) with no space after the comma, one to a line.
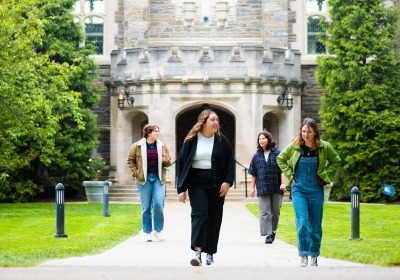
(174,58)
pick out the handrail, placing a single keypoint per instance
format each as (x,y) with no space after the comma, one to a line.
(245,177)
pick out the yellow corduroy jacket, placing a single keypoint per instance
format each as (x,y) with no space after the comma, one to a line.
(137,161)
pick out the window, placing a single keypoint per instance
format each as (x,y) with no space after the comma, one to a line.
(94,32)
(315,13)
(314,33)
(90,14)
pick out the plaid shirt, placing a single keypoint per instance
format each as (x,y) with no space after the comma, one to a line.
(267,173)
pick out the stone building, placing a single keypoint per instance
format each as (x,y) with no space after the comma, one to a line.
(163,61)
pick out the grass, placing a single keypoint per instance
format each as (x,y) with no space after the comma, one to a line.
(379,230)
(26,236)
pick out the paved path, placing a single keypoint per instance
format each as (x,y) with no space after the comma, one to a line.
(242,254)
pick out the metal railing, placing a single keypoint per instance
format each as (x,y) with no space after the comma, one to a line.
(245,177)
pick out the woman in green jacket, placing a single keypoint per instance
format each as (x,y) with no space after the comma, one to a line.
(308,162)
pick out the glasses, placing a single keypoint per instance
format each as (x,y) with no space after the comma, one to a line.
(156,131)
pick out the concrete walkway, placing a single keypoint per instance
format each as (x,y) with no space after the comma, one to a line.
(242,254)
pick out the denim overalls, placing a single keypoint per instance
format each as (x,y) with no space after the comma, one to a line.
(308,204)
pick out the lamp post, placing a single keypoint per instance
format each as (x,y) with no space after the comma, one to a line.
(124,95)
(287,96)
(105,198)
(60,216)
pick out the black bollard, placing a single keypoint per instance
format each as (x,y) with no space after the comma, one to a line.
(355,214)
(60,211)
(106,185)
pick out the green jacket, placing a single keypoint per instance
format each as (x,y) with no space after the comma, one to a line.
(329,161)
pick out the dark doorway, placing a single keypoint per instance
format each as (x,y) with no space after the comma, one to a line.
(187,118)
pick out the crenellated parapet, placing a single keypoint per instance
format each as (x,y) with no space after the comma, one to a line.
(205,64)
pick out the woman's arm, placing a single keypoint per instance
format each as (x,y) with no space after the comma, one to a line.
(283,163)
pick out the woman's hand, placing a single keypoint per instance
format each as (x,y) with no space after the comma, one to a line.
(223,191)
(252,192)
(182,197)
(166,158)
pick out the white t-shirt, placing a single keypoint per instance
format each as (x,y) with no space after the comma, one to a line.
(202,158)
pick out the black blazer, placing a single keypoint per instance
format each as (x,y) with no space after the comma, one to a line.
(222,163)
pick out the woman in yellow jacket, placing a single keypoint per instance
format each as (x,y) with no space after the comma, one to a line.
(308,163)
(147,161)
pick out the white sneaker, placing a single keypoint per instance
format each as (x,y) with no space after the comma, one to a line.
(147,237)
(158,236)
(304,261)
(314,261)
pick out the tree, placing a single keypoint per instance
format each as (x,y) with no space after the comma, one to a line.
(46,93)
(360,109)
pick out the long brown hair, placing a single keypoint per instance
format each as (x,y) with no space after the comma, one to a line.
(201,120)
(312,124)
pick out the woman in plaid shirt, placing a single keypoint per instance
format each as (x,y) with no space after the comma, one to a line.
(269,180)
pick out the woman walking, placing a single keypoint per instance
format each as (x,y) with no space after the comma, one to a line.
(147,161)
(206,172)
(308,163)
(267,177)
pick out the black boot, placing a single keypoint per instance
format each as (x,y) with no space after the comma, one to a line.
(273,236)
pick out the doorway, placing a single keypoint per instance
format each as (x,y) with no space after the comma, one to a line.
(187,118)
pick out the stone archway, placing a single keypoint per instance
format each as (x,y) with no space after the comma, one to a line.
(271,124)
(187,118)
(139,120)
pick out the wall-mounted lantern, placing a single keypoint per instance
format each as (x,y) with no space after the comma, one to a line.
(124,95)
(286,96)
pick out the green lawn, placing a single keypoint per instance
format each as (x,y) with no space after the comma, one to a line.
(26,235)
(379,230)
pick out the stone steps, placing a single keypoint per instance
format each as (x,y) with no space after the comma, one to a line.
(130,194)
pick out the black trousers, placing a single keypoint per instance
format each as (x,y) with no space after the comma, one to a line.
(207,211)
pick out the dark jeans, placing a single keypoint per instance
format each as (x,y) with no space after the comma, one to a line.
(207,211)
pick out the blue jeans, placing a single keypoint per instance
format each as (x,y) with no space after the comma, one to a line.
(308,204)
(152,197)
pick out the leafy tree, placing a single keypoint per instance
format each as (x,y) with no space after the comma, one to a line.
(75,143)
(361,106)
(46,93)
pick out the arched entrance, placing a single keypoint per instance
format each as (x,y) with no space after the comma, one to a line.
(138,121)
(271,124)
(187,118)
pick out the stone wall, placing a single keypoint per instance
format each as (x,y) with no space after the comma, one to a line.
(234,22)
(167,22)
(310,98)
(102,110)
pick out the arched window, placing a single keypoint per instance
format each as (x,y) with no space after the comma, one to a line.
(94,29)
(314,34)
(91,14)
